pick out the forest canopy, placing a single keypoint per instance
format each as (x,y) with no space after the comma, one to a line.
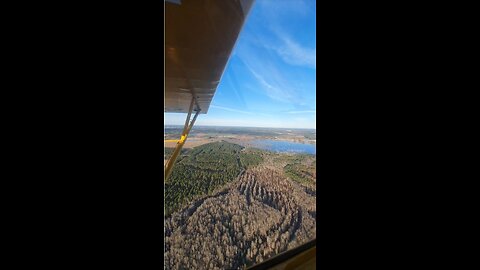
(204,169)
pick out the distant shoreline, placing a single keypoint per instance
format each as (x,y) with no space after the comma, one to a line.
(203,126)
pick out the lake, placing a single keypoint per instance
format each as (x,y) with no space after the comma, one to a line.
(285,146)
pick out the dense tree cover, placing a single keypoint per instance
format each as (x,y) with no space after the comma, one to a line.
(301,168)
(258,215)
(261,215)
(169,151)
(293,157)
(251,157)
(300,173)
(204,169)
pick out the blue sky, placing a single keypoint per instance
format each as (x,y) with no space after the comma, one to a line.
(269,80)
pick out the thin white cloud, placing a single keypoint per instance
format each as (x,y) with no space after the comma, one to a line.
(274,83)
(276,93)
(275,9)
(239,111)
(278,13)
(297,112)
(262,49)
(295,54)
(229,109)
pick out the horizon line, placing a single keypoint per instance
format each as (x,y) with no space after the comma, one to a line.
(239,126)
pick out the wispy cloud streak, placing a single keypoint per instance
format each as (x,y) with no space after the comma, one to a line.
(274,92)
(289,50)
(298,112)
(230,109)
(294,54)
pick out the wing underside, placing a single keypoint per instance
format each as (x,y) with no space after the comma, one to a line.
(199,38)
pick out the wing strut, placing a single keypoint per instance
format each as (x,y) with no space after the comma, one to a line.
(186,130)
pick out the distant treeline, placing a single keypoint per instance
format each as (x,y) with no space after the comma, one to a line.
(308,133)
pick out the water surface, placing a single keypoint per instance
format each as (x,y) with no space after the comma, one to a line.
(285,146)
